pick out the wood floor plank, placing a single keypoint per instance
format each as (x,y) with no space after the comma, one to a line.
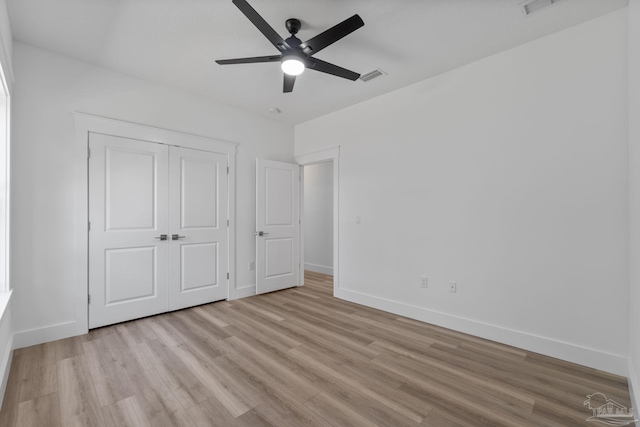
(38,412)
(379,395)
(79,403)
(231,399)
(38,377)
(124,413)
(336,413)
(293,358)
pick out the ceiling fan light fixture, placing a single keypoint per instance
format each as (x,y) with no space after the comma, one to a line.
(292,66)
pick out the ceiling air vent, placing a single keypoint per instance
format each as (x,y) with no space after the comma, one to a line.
(372,75)
(534,6)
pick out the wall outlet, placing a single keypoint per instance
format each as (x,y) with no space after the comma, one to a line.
(252,265)
(453,287)
(358,219)
(424,282)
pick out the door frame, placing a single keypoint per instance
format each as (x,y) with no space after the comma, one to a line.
(328,155)
(85,124)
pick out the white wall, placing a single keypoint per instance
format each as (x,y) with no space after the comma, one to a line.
(508,176)
(318,217)
(634,198)
(48,88)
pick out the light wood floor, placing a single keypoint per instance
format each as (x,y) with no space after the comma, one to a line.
(293,358)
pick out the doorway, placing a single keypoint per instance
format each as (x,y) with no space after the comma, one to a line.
(319,201)
(318,221)
(190,236)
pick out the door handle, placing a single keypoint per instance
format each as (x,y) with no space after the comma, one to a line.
(261,233)
(176,237)
(161,237)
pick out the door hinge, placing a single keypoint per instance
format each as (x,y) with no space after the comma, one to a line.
(89,228)
(227,276)
(227,170)
(89,299)
(88,153)
(227,223)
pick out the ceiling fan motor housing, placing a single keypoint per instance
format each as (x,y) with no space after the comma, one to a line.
(293,26)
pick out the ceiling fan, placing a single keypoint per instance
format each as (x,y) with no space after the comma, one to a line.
(296,55)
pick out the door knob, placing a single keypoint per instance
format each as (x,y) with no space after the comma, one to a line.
(161,237)
(176,237)
(261,233)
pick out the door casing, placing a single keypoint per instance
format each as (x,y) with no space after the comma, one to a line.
(328,155)
(86,124)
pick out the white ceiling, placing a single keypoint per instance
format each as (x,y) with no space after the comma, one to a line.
(175,42)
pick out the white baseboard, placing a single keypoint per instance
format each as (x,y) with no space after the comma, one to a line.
(318,268)
(48,333)
(634,387)
(585,356)
(5,367)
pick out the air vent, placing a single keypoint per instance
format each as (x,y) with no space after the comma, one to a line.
(372,75)
(534,6)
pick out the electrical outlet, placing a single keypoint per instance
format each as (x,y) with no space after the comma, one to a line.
(453,287)
(252,265)
(424,282)
(358,219)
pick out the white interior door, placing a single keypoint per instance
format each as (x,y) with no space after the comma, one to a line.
(199,228)
(128,212)
(277,225)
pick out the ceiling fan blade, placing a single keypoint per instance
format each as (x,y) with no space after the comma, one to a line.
(252,60)
(288,83)
(326,67)
(332,35)
(262,25)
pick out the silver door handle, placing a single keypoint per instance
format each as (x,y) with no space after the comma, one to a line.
(176,237)
(261,233)
(161,237)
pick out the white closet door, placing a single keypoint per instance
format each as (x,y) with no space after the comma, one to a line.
(277,225)
(128,213)
(198,222)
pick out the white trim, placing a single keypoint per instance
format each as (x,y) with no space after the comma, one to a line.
(231,185)
(328,155)
(318,156)
(5,264)
(318,268)
(86,124)
(125,129)
(5,368)
(634,386)
(590,357)
(37,336)
(301,226)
